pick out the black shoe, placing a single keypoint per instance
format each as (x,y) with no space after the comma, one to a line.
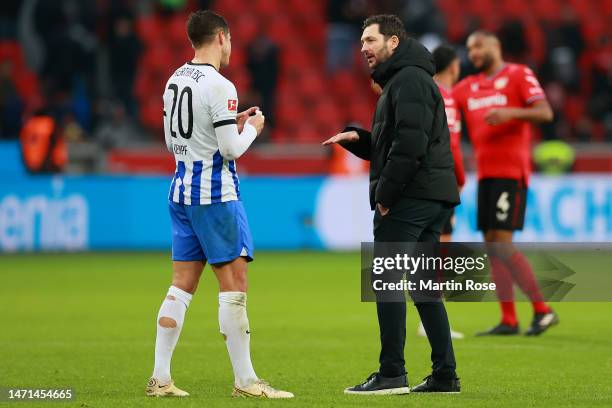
(431,384)
(376,384)
(501,329)
(541,322)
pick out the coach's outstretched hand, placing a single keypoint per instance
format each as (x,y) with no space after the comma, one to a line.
(257,121)
(242,117)
(351,136)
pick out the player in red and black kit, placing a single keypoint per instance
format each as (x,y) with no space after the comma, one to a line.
(448,68)
(499,105)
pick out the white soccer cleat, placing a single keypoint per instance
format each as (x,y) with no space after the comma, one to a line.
(454,334)
(260,389)
(154,389)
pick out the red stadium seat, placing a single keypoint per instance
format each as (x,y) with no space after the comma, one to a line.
(267,7)
(547,9)
(288,113)
(281,31)
(327,116)
(343,85)
(295,59)
(360,111)
(151,113)
(150,29)
(307,132)
(230,9)
(245,29)
(158,59)
(10,50)
(305,8)
(312,85)
(27,84)
(314,30)
(514,8)
(176,32)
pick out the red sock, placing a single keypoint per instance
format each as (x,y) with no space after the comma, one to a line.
(505,291)
(525,278)
(508,313)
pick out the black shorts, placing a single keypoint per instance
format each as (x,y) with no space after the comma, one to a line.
(501,204)
(449,224)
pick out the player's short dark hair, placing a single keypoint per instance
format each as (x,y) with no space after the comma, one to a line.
(388,25)
(485,33)
(203,25)
(443,56)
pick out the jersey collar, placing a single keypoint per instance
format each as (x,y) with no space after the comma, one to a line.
(204,63)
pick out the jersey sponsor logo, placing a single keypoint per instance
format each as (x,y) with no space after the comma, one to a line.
(232,105)
(532,80)
(535,90)
(500,83)
(474,87)
(488,101)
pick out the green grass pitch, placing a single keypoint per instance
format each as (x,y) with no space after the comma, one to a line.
(87,321)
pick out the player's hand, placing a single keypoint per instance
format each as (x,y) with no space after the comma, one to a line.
(242,117)
(351,136)
(497,116)
(257,121)
(382,209)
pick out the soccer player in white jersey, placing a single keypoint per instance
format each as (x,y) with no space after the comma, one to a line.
(209,224)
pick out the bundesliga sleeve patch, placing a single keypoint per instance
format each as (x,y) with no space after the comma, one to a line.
(232,105)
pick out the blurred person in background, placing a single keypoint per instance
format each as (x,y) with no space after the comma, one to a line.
(42,144)
(344,22)
(499,105)
(11,105)
(124,50)
(448,69)
(263,65)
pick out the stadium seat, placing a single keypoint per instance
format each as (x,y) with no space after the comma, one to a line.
(547,9)
(294,59)
(150,29)
(327,116)
(245,29)
(156,59)
(281,31)
(343,84)
(177,31)
(151,113)
(267,7)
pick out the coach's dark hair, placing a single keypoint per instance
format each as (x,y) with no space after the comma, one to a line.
(388,25)
(443,56)
(203,25)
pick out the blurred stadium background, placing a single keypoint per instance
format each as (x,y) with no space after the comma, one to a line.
(97,69)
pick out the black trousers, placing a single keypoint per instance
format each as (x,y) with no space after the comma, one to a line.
(413,220)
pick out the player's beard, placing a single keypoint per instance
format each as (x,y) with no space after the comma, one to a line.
(381,56)
(487,62)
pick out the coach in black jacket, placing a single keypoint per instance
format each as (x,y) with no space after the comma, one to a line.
(412,189)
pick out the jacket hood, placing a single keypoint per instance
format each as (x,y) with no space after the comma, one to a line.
(408,53)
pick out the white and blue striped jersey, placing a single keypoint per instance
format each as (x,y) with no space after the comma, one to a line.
(197,99)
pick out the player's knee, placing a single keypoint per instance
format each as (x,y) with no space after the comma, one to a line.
(185,285)
(167,322)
